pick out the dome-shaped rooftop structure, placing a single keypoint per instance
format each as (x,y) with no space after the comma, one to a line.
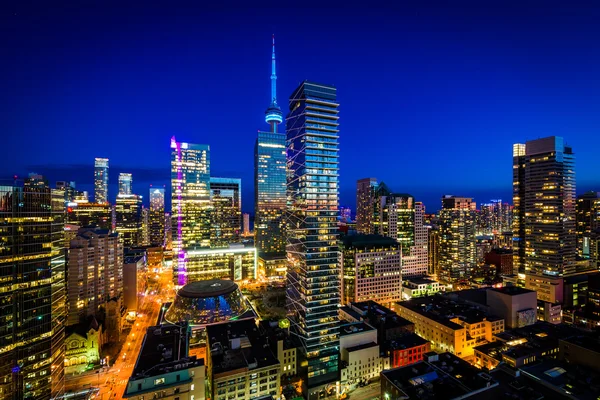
(208,302)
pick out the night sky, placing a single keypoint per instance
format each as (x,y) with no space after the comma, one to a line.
(432,95)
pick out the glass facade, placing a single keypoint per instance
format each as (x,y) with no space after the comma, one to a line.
(32,291)
(235,263)
(270,192)
(156,218)
(125,183)
(90,214)
(313,289)
(457,250)
(101,180)
(226,200)
(128,219)
(190,202)
(544,226)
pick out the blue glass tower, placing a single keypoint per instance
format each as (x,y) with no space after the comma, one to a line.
(313,276)
(270,180)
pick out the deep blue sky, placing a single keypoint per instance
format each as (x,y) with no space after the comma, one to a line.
(432,94)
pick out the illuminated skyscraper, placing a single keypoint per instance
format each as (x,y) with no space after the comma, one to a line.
(544,225)
(226,200)
(364,204)
(270,179)
(101,180)
(190,202)
(157,216)
(588,221)
(128,219)
(313,276)
(32,291)
(125,183)
(457,251)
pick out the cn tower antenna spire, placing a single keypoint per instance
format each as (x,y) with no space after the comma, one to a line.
(273,115)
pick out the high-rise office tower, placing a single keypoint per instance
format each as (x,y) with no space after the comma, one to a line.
(69,189)
(32,291)
(398,216)
(270,179)
(457,251)
(313,276)
(226,201)
(246,224)
(101,180)
(190,202)
(157,217)
(544,225)
(364,204)
(125,183)
(145,227)
(588,221)
(128,219)
(494,217)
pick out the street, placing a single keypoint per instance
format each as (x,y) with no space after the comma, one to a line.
(368,392)
(112,382)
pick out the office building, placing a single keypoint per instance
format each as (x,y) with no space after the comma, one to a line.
(240,363)
(270,179)
(449,324)
(128,219)
(371,269)
(133,283)
(588,222)
(95,278)
(544,227)
(361,358)
(101,180)
(282,346)
(125,183)
(246,219)
(364,204)
(438,376)
(32,290)
(90,214)
(313,274)
(156,217)
(69,188)
(457,251)
(226,200)
(397,216)
(494,217)
(164,369)
(419,287)
(235,262)
(145,227)
(190,201)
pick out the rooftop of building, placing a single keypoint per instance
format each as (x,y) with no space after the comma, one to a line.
(274,332)
(567,379)
(406,341)
(353,313)
(419,280)
(492,349)
(447,377)
(164,347)
(371,306)
(512,290)
(132,259)
(208,288)
(362,346)
(355,327)
(587,342)
(442,310)
(368,241)
(239,344)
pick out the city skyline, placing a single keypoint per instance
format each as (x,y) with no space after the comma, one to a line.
(485,98)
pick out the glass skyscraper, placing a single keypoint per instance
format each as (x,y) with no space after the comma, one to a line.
(128,219)
(32,291)
(226,200)
(544,224)
(190,202)
(125,183)
(313,278)
(157,216)
(101,180)
(270,179)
